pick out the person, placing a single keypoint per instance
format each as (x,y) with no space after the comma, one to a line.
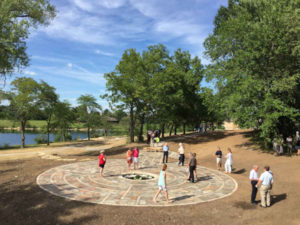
(149,133)
(289,141)
(297,140)
(135,153)
(157,140)
(129,159)
(219,158)
(253,179)
(228,163)
(162,184)
(152,139)
(102,161)
(192,167)
(181,154)
(165,152)
(266,182)
(281,140)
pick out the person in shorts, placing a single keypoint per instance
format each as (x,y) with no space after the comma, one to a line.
(219,158)
(135,153)
(102,161)
(129,159)
(162,184)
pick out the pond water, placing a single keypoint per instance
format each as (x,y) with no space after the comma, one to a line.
(11,138)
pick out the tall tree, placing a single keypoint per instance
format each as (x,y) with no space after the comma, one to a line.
(17,18)
(48,100)
(88,111)
(24,101)
(123,85)
(255,51)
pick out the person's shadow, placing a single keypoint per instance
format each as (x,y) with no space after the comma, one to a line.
(278,198)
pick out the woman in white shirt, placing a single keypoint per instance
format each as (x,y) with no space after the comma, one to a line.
(228,163)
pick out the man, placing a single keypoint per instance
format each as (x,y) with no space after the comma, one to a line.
(219,158)
(166,152)
(254,179)
(266,181)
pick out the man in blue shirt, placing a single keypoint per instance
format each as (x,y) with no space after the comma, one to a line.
(166,152)
(219,158)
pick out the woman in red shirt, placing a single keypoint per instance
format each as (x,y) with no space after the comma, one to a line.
(102,161)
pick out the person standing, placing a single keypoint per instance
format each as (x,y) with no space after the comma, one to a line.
(219,158)
(289,141)
(192,167)
(135,153)
(253,179)
(129,159)
(181,154)
(297,140)
(165,152)
(266,182)
(228,163)
(162,184)
(102,161)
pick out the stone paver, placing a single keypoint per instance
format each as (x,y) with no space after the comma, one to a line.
(81,181)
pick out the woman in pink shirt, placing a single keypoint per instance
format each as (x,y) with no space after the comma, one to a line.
(135,153)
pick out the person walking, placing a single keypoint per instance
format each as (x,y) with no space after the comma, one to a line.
(228,163)
(192,167)
(165,152)
(219,158)
(266,182)
(135,153)
(297,145)
(253,179)
(181,154)
(129,159)
(162,184)
(102,161)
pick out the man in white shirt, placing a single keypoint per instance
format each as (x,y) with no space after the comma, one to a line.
(254,179)
(266,181)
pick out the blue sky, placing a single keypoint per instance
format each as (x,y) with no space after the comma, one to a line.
(87,38)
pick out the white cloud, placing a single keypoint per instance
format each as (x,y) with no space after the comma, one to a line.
(69,65)
(30,73)
(100,52)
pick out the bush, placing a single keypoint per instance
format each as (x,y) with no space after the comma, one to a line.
(59,137)
(41,139)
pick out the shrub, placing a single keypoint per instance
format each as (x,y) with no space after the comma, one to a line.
(41,139)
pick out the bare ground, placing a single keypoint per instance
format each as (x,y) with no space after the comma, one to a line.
(23,202)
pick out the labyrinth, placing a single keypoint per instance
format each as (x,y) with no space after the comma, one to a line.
(81,182)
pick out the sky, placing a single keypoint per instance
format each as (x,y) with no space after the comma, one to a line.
(88,37)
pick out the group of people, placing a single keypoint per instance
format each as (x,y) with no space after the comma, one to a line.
(278,144)
(228,162)
(265,181)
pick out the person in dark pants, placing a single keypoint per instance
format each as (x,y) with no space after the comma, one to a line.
(165,152)
(181,154)
(192,167)
(254,179)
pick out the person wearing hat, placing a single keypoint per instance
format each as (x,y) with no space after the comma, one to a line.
(102,161)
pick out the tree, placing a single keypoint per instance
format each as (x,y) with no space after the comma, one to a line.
(24,101)
(124,83)
(48,100)
(255,52)
(63,117)
(17,18)
(89,112)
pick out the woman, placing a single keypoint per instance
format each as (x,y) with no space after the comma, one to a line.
(181,154)
(228,163)
(102,161)
(162,184)
(135,153)
(129,159)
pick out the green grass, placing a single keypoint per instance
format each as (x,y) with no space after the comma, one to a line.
(30,124)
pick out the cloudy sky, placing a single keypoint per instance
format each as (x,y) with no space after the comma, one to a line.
(88,37)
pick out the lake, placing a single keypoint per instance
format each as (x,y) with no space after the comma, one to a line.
(14,137)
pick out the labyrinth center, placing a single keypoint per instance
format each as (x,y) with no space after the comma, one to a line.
(81,181)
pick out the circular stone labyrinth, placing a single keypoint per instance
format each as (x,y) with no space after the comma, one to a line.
(81,181)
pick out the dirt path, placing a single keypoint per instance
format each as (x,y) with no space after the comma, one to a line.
(23,202)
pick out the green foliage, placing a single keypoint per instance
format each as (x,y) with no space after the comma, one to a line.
(41,139)
(255,53)
(17,17)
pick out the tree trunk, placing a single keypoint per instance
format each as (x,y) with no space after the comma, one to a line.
(183,128)
(175,130)
(142,121)
(88,133)
(131,124)
(171,130)
(23,123)
(48,133)
(163,130)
